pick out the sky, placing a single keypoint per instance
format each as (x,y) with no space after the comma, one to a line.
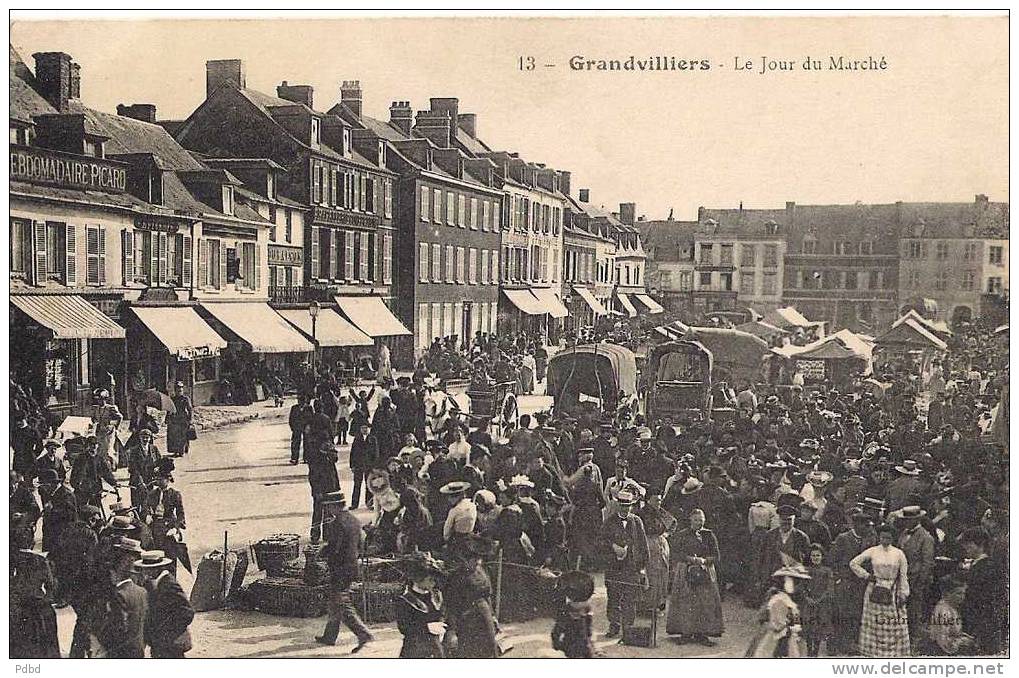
(932,126)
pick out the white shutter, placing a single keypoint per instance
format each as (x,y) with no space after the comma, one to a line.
(71,262)
(363,274)
(127,255)
(92,255)
(163,247)
(185,256)
(221,283)
(423,262)
(203,263)
(387,260)
(436,263)
(349,261)
(39,260)
(314,252)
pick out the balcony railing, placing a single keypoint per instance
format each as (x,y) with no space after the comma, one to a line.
(286,294)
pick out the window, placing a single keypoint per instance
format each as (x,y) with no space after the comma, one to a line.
(705,283)
(460,264)
(747,255)
(726,254)
(362,257)
(725,281)
(546,218)
(684,281)
(706,256)
(450,264)
(21,247)
(328,260)
(369,243)
(369,194)
(423,262)
(941,250)
(316,132)
(809,246)
(485,212)
(969,279)
(210,259)
(770,256)
(746,283)
(941,280)
(914,249)
(851,280)
(205,369)
(846,248)
(994,285)
(485,254)
(472,266)
(387,259)
(437,206)
(770,284)
(450,208)
(877,280)
(995,253)
(914,279)
(436,263)
(249,266)
(289,215)
(422,327)
(425,211)
(387,187)
(473,217)
(349,268)
(461,209)
(867,247)
(535,217)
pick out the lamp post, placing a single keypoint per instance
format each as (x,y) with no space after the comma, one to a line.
(313,309)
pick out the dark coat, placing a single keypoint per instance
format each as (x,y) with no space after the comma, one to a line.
(27,444)
(121,627)
(633,536)
(343,534)
(166,505)
(61,510)
(74,561)
(88,473)
(168,617)
(364,453)
(414,611)
(982,607)
(322,474)
(797,546)
(468,595)
(571,633)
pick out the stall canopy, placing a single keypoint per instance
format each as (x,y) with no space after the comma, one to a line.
(526,302)
(628,307)
(590,299)
(789,318)
(330,328)
(181,331)
(730,346)
(592,368)
(258,325)
(761,329)
(911,333)
(653,306)
(371,316)
(551,301)
(843,344)
(937,328)
(68,316)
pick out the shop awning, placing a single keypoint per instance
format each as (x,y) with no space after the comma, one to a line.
(652,306)
(624,301)
(262,328)
(371,316)
(551,301)
(526,302)
(181,331)
(590,299)
(331,329)
(68,316)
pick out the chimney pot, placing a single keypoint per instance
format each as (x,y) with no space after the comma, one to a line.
(350,96)
(628,212)
(585,195)
(299,94)
(143,112)
(53,74)
(219,71)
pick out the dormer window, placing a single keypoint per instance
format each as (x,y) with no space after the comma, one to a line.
(94,147)
(316,132)
(156,188)
(346,142)
(270,186)
(228,199)
(382,153)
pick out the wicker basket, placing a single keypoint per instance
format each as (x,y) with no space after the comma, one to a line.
(287,597)
(273,553)
(315,572)
(381,601)
(312,551)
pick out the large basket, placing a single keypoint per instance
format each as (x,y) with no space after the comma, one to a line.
(286,597)
(381,601)
(273,553)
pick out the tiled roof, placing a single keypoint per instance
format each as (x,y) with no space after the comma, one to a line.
(123,200)
(473,145)
(25,101)
(383,129)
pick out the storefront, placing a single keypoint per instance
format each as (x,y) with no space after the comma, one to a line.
(57,336)
(336,339)
(286,272)
(521,311)
(168,344)
(372,316)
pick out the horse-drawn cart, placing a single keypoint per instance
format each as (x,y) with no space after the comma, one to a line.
(498,403)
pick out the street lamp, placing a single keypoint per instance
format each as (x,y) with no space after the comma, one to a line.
(313,309)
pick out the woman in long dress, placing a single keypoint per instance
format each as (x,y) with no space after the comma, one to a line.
(819,594)
(33,622)
(179,423)
(884,627)
(695,606)
(657,524)
(779,635)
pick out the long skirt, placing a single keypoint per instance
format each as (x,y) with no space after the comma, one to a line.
(755,582)
(33,630)
(884,629)
(657,572)
(177,436)
(475,632)
(694,610)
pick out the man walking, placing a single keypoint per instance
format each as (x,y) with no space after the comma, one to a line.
(169,610)
(343,546)
(300,414)
(625,574)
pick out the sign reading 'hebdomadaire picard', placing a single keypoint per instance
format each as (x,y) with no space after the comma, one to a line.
(66,170)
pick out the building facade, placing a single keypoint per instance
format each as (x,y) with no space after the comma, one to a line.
(669,245)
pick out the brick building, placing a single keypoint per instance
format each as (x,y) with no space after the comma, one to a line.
(669,245)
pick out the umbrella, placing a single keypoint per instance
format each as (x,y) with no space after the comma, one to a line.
(179,550)
(157,399)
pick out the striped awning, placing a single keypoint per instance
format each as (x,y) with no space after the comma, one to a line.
(628,307)
(258,325)
(68,316)
(590,299)
(181,331)
(653,306)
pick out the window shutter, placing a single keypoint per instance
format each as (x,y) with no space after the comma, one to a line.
(255,265)
(348,262)
(150,247)
(423,262)
(314,252)
(436,263)
(203,263)
(71,262)
(185,259)
(336,255)
(387,259)
(162,242)
(92,255)
(363,273)
(127,255)
(221,283)
(39,237)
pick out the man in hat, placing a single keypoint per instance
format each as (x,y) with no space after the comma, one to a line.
(849,589)
(77,571)
(817,532)
(164,508)
(343,535)
(88,473)
(918,545)
(169,611)
(322,478)
(906,488)
(618,482)
(142,459)
(22,503)
(49,460)
(606,448)
(462,516)
(300,413)
(120,625)
(59,508)
(785,540)
(178,423)
(26,443)
(106,417)
(625,574)
(364,456)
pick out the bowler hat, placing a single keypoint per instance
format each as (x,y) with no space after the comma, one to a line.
(455,487)
(786,510)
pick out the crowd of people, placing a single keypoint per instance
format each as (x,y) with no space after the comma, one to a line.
(856,523)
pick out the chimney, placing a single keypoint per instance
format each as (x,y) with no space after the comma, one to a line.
(564,182)
(584,195)
(628,212)
(436,126)
(75,90)
(350,96)
(143,112)
(445,105)
(219,71)
(53,73)
(468,122)
(401,116)
(299,94)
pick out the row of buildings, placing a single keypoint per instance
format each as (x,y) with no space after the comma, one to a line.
(261,231)
(854,266)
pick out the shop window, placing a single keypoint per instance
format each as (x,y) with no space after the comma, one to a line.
(58,366)
(21,248)
(205,369)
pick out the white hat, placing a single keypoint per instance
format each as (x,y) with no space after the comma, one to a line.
(692,484)
(521,480)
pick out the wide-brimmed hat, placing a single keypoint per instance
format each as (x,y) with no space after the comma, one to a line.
(422,564)
(909,467)
(335,497)
(121,523)
(521,480)
(786,510)
(128,545)
(819,477)
(48,476)
(644,433)
(794,571)
(911,512)
(455,487)
(576,585)
(692,484)
(626,497)
(152,560)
